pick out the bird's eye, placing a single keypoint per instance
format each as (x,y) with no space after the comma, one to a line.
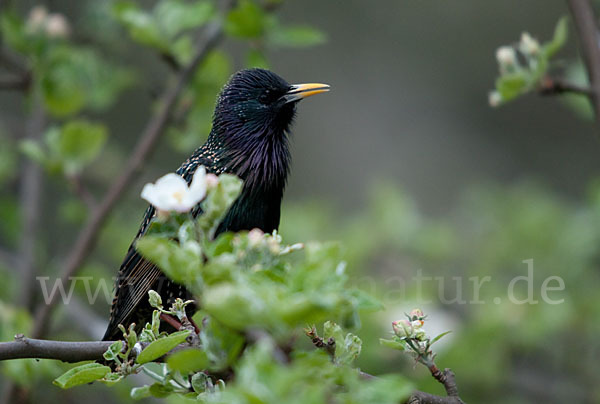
(266,97)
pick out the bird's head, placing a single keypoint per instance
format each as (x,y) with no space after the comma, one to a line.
(258,103)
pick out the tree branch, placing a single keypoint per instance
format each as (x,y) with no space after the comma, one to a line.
(148,139)
(447,379)
(22,348)
(552,86)
(15,83)
(30,195)
(82,192)
(587,31)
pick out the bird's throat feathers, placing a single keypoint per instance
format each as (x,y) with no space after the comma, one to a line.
(259,155)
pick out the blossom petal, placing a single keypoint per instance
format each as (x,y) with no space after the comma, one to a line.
(198,185)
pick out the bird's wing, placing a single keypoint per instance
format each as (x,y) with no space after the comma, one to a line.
(136,274)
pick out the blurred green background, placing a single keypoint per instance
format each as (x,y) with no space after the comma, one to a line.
(403,161)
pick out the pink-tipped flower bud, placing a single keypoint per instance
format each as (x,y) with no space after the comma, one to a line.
(211,181)
(255,237)
(402,328)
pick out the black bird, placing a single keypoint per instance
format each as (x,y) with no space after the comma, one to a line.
(249,138)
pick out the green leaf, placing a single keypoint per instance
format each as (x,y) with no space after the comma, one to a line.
(161,346)
(81,375)
(141,25)
(296,36)
(199,382)
(161,390)
(351,349)
(72,78)
(558,40)
(137,393)
(218,201)
(175,16)
(112,378)
(390,343)
(247,20)
(113,351)
(180,262)
(188,360)
(33,150)
(511,85)
(437,338)
(79,143)
(347,348)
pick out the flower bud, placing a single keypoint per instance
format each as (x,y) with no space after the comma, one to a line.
(402,328)
(528,44)
(494,98)
(255,236)
(37,18)
(416,317)
(211,181)
(57,26)
(506,56)
(155,299)
(420,333)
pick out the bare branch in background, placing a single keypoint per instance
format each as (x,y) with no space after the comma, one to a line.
(82,192)
(15,83)
(585,24)
(30,201)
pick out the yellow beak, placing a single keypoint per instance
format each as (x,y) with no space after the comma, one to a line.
(300,91)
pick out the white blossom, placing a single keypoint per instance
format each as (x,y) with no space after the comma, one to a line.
(506,56)
(171,192)
(36,19)
(494,98)
(528,44)
(57,26)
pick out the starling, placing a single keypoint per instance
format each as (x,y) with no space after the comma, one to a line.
(249,138)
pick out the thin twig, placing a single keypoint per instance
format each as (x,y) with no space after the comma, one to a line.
(30,195)
(148,139)
(585,23)
(552,86)
(82,192)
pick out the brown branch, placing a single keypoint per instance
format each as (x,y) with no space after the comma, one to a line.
(15,83)
(319,342)
(72,351)
(22,348)
(552,86)
(82,192)
(447,379)
(148,139)
(585,24)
